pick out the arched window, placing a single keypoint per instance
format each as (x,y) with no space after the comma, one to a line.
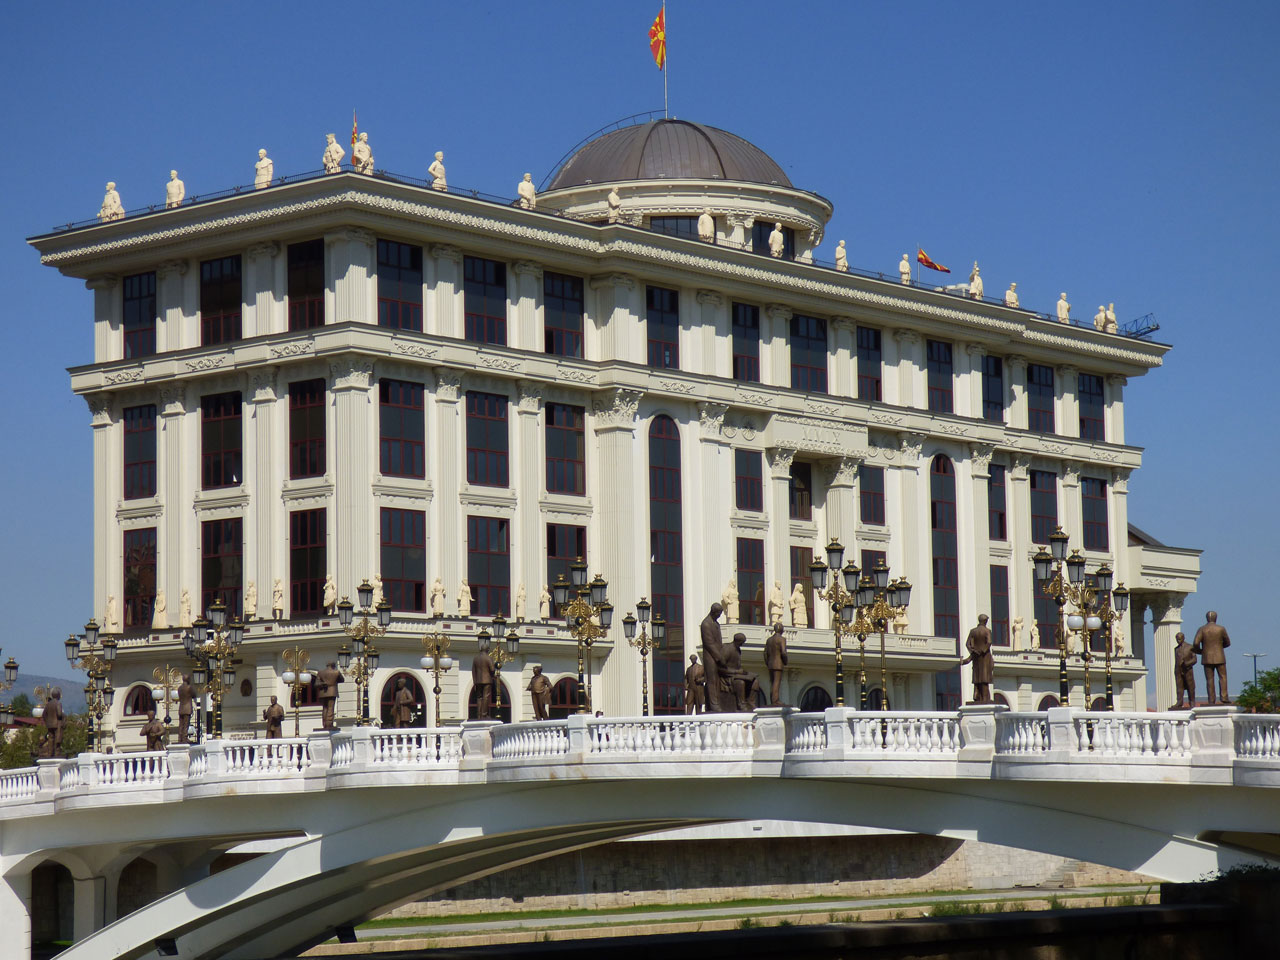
(388,699)
(564,698)
(1099,705)
(1000,698)
(1047,702)
(138,701)
(875,699)
(946,577)
(306,696)
(500,710)
(815,699)
(666,548)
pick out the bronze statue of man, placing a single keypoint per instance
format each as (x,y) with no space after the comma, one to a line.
(978,643)
(327,681)
(54,724)
(745,685)
(775,659)
(1211,643)
(1184,671)
(274,715)
(540,694)
(153,730)
(402,705)
(695,689)
(482,674)
(713,658)
(186,701)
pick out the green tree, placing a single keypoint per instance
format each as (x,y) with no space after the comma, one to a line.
(21,705)
(22,744)
(1262,696)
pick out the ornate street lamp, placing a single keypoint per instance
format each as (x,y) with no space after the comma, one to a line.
(362,636)
(10,678)
(498,654)
(873,600)
(587,613)
(212,643)
(298,679)
(644,643)
(165,690)
(96,660)
(437,661)
(841,598)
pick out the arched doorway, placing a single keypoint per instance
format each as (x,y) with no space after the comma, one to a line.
(500,710)
(815,699)
(138,701)
(388,697)
(564,698)
(52,905)
(1099,705)
(875,699)
(1001,699)
(139,884)
(1047,702)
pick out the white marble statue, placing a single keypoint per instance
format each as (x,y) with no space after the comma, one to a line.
(615,205)
(1117,640)
(174,191)
(776,603)
(437,597)
(1017,633)
(465,599)
(378,595)
(1100,318)
(975,282)
(111,208)
(904,269)
(900,622)
(842,258)
(706,226)
(1111,318)
(437,173)
(329,602)
(1064,309)
(111,619)
(251,602)
(184,608)
(729,600)
(263,171)
(1011,296)
(776,241)
(527,192)
(521,600)
(1034,636)
(333,154)
(544,604)
(799,608)
(362,155)
(159,612)
(277,599)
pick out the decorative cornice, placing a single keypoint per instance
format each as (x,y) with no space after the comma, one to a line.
(131,375)
(422,351)
(207,363)
(500,363)
(294,349)
(566,372)
(712,298)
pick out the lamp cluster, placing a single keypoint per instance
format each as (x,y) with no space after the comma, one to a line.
(10,678)
(362,657)
(95,659)
(212,643)
(587,613)
(644,643)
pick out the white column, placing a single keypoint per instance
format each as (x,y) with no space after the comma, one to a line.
(910,368)
(263,479)
(841,508)
(446,318)
(1017,367)
(261,295)
(171,278)
(775,346)
(980,542)
(1022,585)
(528,468)
(1166,621)
(710,554)
(355,527)
(528,334)
(447,529)
(15,915)
(969,387)
(844,379)
(351,274)
(778,548)
(1115,408)
(176,478)
(1069,512)
(108,314)
(716,335)
(1118,525)
(1067,418)
(617,332)
(106,538)
(915,559)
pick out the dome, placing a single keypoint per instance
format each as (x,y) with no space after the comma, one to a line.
(671,150)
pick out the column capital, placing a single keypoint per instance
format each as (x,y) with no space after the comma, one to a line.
(710,297)
(268,248)
(1166,608)
(100,407)
(617,280)
(911,444)
(843,471)
(980,454)
(1070,473)
(903,335)
(167,267)
(263,385)
(104,281)
(446,251)
(350,235)
(448,385)
(173,400)
(778,311)
(780,459)
(1120,480)
(711,420)
(1017,363)
(744,220)
(530,397)
(1117,380)
(1021,461)
(1066,370)
(527,268)
(351,373)
(616,408)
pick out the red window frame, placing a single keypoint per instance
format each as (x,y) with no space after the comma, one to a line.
(801,557)
(870,364)
(946,567)
(800,491)
(403,558)
(565,544)
(662,327)
(308,535)
(221,440)
(484,294)
(1090,393)
(222,563)
(488,441)
(746,343)
(992,389)
(997,504)
(489,565)
(399,285)
(941,364)
(139,451)
(1093,510)
(1040,398)
(139,589)
(871,495)
(566,456)
(563,313)
(139,315)
(402,429)
(999,605)
(1044,504)
(809,352)
(306,284)
(221,300)
(751,582)
(666,569)
(307,428)
(748,480)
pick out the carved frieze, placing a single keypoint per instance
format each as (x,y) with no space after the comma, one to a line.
(207,363)
(295,349)
(123,376)
(422,351)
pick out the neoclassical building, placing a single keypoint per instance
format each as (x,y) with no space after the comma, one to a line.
(353,377)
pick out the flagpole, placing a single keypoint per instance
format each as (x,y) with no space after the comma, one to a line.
(666,62)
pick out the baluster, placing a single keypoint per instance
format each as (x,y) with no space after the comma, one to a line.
(1162,745)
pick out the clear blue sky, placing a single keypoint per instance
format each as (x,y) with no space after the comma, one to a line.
(1121,152)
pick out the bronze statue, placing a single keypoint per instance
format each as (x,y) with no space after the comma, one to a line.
(186,700)
(1211,643)
(402,706)
(153,730)
(1184,673)
(54,724)
(713,657)
(978,643)
(482,673)
(540,694)
(327,681)
(274,715)
(775,659)
(743,685)
(695,689)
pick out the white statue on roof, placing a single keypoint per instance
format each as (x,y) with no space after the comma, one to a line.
(263,171)
(975,282)
(111,208)
(1111,318)
(362,155)
(1100,318)
(437,173)
(777,242)
(842,258)
(615,205)
(904,269)
(333,154)
(1064,309)
(527,192)
(174,191)
(1011,296)
(706,226)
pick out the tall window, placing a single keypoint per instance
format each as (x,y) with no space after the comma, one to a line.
(746,343)
(489,565)
(800,557)
(1092,407)
(869,364)
(399,285)
(140,451)
(750,580)
(675,226)
(749,481)
(565,544)
(808,354)
(1045,612)
(139,315)
(871,494)
(404,559)
(306,429)
(486,439)
(993,389)
(562,314)
(662,323)
(869,559)
(800,491)
(222,563)
(220,440)
(1093,507)
(997,519)
(1040,393)
(484,289)
(220,299)
(666,571)
(402,429)
(999,605)
(306,562)
(940,376)
(139,578)
(946,583)
(306,285)
(1044,504)
(760,231)
(566,449)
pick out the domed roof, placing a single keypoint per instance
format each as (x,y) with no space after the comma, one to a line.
(668,149)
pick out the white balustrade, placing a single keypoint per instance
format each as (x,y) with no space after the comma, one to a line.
(909,733)
(199,765)
(1133,735)
(806,733)
(344,750)
(125,769)
(257,757)
(1021,733)
(1257,737)
(19,784)
(415,747)
(672,736)
(533,740)
(68,775)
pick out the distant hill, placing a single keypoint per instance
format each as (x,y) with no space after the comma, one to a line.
(72,689)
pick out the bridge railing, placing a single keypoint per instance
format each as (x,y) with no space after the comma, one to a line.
(1133,736)
(1022,733)
(706,735)
(1257,737)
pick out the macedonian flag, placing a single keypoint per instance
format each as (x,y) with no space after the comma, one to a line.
(922,258)
(658,38)
(354,129)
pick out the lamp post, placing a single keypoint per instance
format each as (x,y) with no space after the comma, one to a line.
(877,600)
(1255,657)
(298,678)
(167,679)
(95,659)
(644,643)
(840,597)
(10,678)
(362,635)
(587,612)
(499,655)
(437,661)
(212,642)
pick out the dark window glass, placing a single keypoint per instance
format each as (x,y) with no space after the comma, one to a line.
(999,605)
(800,558)
(666,570)
(138,701)
(402,429)
(306,285)
(997,520)
(1046,614)
(1040,398)
(222,563)
(139,579)
(566,449)
(869,364)
(1044,505)
(489,565)
(869,559)
(486,439)
(220,300)
(750,580)
(1093,506)
(993,389)
(760,231)
(815,700)
(749,482)
(139,315)
(485,298)
(940,376)
(140,451)
(220,440)
(387,700)
(565,544)
(562,314)
(675,226)
(306,428)
(404,559)
(746,343)
(808,354)
(662,323)
(800,491)
(399,285)
(946,582)
(564,698)
(871,494)
(1092,407)
(307,569)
